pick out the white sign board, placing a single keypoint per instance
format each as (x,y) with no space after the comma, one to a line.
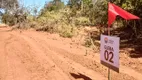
(110,52)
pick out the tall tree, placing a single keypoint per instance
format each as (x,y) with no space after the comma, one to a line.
(75,4)
(54,5)
(9,4)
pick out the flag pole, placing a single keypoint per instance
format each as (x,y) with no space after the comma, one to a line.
(109,26)
(109,73)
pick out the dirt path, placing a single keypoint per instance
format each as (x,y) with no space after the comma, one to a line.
(30,55)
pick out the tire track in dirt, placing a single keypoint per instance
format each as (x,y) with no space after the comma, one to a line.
(42,65)
(3,55)
(11,64)
(92,64)
(22,61)
(76,66)
(125,71)
(10,67)
(14,49)
(67,65)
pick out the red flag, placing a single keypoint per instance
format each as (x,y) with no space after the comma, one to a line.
(114,10)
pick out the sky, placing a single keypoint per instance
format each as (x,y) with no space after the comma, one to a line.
(37,3)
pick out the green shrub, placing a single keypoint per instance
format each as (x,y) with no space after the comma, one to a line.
(66,34)
(67,30)
(8,19)
(57,22)
(82,21)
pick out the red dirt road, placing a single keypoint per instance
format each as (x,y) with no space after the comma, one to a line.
(31,55)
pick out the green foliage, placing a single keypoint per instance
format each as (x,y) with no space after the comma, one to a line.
(19,16)
(133,6)
(8,19)
(75,4)
(98,13)
(54,5)
(67,31)
(82,21)
(87,6)
(57,22)
(9,6)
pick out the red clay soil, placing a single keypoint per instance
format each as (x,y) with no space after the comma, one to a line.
(31,55)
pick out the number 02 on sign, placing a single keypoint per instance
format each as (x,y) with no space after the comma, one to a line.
(110,52)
